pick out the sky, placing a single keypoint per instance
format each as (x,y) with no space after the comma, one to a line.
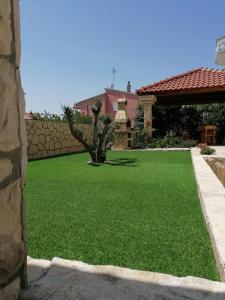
(70,47)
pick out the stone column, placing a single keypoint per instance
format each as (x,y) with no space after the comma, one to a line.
(121,132)
(147,101)
(12,155)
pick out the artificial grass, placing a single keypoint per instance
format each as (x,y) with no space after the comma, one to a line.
(140,212)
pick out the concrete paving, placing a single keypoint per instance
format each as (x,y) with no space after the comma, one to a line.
(73,280)
(220,151)
(212,197)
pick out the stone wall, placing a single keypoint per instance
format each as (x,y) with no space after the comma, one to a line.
(12,155)
(49,138)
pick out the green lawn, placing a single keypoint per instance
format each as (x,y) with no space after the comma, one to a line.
(143,212)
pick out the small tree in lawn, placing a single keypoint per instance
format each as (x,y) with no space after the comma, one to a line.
(102,129)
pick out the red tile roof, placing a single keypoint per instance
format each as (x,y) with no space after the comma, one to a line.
(28,116)
(196,79)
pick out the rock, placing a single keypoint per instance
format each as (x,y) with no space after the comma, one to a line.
(9,114)
(37,268)
(11,291)
(5,28)
(12,251)
(42,139)
(6,168)
(33,149)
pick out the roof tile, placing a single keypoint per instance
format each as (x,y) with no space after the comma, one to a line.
(195,79)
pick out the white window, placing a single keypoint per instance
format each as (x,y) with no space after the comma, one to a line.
(115,106)
(220,45)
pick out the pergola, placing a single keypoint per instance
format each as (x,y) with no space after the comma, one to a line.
(199,86)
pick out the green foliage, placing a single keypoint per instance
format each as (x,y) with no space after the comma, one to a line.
(139,139)
(82,119)
(47,117)
(214,114)
(171,142)
(188,118)
(139,134)
(77,116)
(166,120)
(191,120)
(178,119)
(96,107)
(207,151)
(144,215)
(139,119)
(105,119)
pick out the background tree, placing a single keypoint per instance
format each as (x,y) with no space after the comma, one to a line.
(183,118)
(102,129)
(214,114)
(82,119)
(191,120)
(139,118)
(176,119)
(139,136)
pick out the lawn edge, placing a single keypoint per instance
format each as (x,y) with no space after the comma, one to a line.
(212,198)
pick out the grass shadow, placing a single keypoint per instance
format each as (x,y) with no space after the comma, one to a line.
(122,162)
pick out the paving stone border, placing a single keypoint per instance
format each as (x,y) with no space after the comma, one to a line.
(212,197)
(157,149)
(61,279)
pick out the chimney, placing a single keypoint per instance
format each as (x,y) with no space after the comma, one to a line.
(128,87)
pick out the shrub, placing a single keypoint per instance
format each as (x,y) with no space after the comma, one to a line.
(47,117)
(78,117)
(139,135)
(171,142)
(139,118)
(139,139)
(208,151)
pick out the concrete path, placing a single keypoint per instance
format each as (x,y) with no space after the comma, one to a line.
(61,279)
(212,197)
(220,151)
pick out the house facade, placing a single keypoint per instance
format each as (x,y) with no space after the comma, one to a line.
(109,103)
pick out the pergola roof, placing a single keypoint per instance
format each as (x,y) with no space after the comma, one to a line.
(200,85)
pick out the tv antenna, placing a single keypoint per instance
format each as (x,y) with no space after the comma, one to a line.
(114,72)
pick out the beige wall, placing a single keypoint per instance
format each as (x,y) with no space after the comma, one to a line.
(12,155)
(49,138)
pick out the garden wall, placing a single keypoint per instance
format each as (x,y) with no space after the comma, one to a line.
(50,138)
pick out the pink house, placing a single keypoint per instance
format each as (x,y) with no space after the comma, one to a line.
(109,103)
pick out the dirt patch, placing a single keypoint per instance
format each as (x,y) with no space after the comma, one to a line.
(218,166)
